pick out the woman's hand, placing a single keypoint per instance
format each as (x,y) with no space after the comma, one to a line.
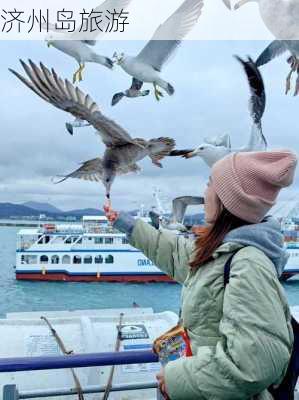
(111,215)
(161,381)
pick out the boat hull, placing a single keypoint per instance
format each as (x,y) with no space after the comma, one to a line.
(66,277)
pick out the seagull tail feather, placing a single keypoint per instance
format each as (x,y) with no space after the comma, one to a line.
(160,148)
(107,62)
(166,86)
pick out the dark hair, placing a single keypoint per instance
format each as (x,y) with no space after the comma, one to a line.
(210,238)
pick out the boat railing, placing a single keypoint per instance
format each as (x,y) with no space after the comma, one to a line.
(11,392)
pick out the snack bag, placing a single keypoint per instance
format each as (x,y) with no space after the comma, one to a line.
(172,345)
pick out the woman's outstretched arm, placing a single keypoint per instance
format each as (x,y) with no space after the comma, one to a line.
(169,252)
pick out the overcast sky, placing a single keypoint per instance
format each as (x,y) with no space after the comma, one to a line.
(211,98)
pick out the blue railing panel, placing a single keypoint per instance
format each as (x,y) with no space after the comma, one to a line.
(76,361)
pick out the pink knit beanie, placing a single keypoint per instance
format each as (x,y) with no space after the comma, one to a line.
(249,183)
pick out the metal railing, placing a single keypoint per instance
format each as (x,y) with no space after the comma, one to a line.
(11,392)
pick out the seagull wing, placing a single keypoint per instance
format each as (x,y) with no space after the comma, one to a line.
(180,204)
(275,49)
(220,140)
(91,170)
(257,102)
(63,95)
(158,50)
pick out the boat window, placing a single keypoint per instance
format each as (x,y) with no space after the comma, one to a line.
(77,260)
(98,240)
(78,241)
(109,259)
(68,240)
(40,239)
(108,240)
(98,260)
(44,260)
(28,259)
(47,239)
(125,241)
(88,260)
(55,259)
(66,259)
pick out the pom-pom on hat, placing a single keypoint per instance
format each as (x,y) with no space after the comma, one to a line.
(249,183)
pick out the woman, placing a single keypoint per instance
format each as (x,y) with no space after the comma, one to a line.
(241,337)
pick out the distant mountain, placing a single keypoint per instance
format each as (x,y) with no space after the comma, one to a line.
(8,210)
(16,210)
(42,207)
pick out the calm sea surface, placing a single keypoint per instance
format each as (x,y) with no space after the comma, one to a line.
(17,296)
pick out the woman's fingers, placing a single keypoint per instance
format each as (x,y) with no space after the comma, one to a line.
(110,214)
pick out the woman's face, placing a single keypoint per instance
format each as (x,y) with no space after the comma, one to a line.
(213,206)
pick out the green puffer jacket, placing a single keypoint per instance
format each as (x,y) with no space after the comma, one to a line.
(241,337)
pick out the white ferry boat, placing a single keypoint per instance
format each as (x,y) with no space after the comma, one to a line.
(94,251)
(91,251)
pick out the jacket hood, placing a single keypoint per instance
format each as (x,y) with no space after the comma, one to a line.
(265,236)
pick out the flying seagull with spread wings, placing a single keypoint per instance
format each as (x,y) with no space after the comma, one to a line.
(122,151)
(179,207)
(148,64)
(281,17)
(213,151)
(81,50)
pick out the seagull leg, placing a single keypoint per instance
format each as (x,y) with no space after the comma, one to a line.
(108,201)
(297,82)
(294,65)
(81,69)
(288,82)
(76,76)
(158,93)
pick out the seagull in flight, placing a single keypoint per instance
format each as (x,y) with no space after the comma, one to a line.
(122,151)
(81,50)
(179,207)
(214,150)
(148,64)
(275,49)
(281,17)
(133,92)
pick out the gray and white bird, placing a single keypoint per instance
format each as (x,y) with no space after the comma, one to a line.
(148,64)
(133,92)
(81,50)
(277,48)
(179,207)
(281,17)
(122,151)
(215,150)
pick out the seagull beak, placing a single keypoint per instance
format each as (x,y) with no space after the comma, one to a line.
(190,155)
(227,4)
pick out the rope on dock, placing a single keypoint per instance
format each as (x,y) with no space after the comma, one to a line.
(117,347)
(67,353)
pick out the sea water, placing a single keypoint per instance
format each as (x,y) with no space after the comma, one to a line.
(18,296)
